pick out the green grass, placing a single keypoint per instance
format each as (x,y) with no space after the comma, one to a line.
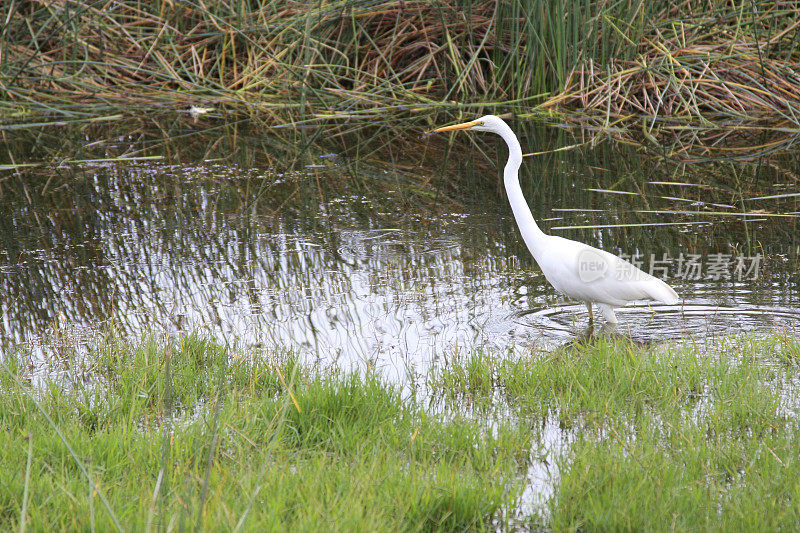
(663,437)
(185,434)
(189,435)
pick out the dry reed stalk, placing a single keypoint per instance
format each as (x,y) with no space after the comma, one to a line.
(682,59)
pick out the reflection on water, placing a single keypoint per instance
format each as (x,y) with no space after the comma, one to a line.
(335,285)
(653,322)
(352,278)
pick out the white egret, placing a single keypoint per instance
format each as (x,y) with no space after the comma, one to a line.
(575,269)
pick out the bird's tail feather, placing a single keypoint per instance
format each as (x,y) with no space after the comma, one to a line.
(660,291)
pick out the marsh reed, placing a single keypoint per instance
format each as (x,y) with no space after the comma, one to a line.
(689,59)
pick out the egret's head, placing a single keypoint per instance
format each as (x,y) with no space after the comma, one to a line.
(490,123)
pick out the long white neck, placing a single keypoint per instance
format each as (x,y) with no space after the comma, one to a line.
(533,236)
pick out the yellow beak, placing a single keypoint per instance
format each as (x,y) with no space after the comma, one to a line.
(462,126)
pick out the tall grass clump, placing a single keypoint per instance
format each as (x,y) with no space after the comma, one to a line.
(693,60)
(186,434)
(664,58)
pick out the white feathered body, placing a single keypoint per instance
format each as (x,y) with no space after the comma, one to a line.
(588,274)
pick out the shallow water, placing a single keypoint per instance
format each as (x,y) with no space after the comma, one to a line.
(258,254)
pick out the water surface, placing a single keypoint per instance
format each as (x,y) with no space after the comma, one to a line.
(387,260)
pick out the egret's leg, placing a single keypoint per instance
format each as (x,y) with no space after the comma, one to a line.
(608,313)
(591,316)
